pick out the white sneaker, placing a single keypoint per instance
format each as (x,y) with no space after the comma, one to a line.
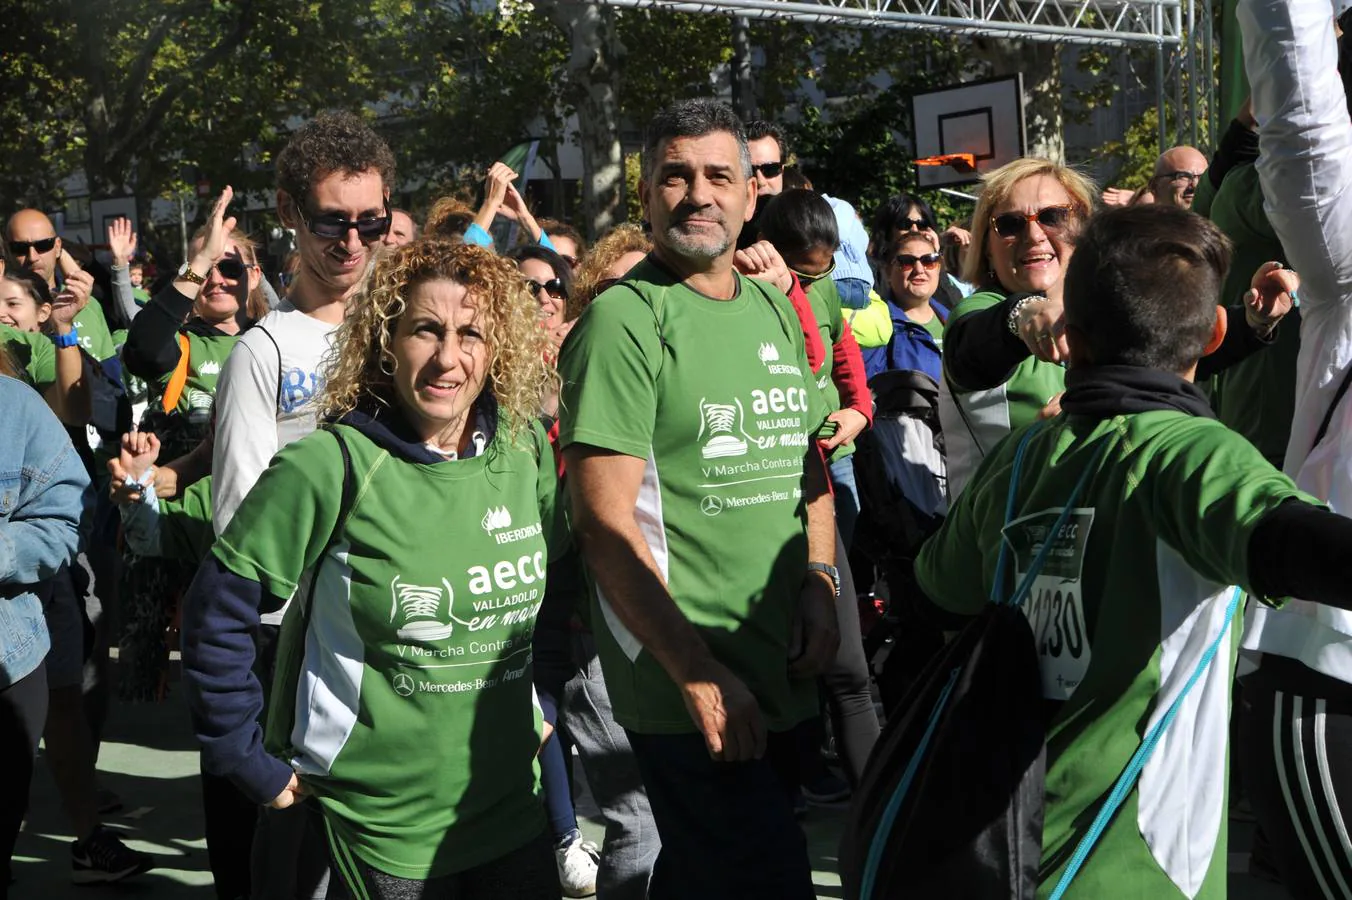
(577,860)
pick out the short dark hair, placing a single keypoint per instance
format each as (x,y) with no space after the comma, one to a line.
(794,178)
(694,118)
(554,227)
(331,142)
(1142,287)
(890,213)
(797,220)
(562,271)
(759,128)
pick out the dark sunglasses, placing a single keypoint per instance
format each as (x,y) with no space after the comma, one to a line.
(553,287)
(233,269)
(806,280)
(332,227)
(928,260)
(1190,178)
(20,248)
(912,224)
(1013,224)
(769,170)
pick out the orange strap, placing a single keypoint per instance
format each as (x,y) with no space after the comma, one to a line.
(174,389)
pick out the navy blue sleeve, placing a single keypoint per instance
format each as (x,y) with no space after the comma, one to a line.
(152,347)
(220,623)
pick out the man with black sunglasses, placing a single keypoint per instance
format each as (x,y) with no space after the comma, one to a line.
(333,188)
(766,142)
(35,246)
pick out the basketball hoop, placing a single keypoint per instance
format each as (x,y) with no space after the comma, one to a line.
(963,163)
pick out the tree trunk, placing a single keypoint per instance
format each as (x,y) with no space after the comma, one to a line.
(1040,63)
(743,79)
(594,73)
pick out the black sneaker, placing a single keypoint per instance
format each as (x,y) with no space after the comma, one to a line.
(102,858)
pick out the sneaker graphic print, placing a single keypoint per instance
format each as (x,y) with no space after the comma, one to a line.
(720,421)
(422,613)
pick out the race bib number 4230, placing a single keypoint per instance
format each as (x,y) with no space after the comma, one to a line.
(1055,605)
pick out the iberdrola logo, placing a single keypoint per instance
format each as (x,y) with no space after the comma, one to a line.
(496,519)
(768,353)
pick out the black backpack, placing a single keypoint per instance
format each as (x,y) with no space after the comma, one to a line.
(950,804)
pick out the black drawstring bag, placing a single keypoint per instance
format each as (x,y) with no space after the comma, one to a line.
(951,802)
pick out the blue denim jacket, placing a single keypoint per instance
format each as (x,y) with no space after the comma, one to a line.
(42,485)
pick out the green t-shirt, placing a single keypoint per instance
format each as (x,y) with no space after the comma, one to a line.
(95,338)
(186,532)
(1254,397)
(718,398)
(33,353)
(935,327)
(206,356)
(405,698)
(824,299)
(1136,586)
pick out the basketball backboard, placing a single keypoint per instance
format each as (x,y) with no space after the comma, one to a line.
(983,118)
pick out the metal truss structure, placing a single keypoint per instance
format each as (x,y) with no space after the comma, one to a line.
(1179,31)
(1099,22)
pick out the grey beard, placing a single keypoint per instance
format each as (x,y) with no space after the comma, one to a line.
(692,247)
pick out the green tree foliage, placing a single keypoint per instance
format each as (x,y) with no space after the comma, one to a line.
(141,94)
(863,150)
(485,79)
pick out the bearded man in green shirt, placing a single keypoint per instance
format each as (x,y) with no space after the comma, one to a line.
(688,421)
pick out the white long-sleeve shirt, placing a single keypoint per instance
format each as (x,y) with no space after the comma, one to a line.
(1305,169)
(265,399)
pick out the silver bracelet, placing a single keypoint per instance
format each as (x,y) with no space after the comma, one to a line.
(1018,308)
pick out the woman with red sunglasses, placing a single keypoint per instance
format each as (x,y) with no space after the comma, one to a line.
(1005,346)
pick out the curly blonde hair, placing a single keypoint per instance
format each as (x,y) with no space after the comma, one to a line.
(621,239)
(997,185)
(448,218)
(359,370)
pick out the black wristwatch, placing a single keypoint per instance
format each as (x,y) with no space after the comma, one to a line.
(831,572)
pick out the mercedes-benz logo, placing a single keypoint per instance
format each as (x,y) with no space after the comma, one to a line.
(711,505)
(403,684)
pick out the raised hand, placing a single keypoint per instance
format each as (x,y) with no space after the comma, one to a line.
(121,242)
(79,284)
(1115,196)
(217,235)
(139,451)
(1041,327)
(1271,295)
(762,262)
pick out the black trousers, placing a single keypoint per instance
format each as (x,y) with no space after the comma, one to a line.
(1296,758)
(727,829)
(23,713)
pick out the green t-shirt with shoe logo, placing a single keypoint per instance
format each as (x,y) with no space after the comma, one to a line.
(718,398)
(405,699)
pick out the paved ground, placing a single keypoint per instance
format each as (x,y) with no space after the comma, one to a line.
(149,759)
